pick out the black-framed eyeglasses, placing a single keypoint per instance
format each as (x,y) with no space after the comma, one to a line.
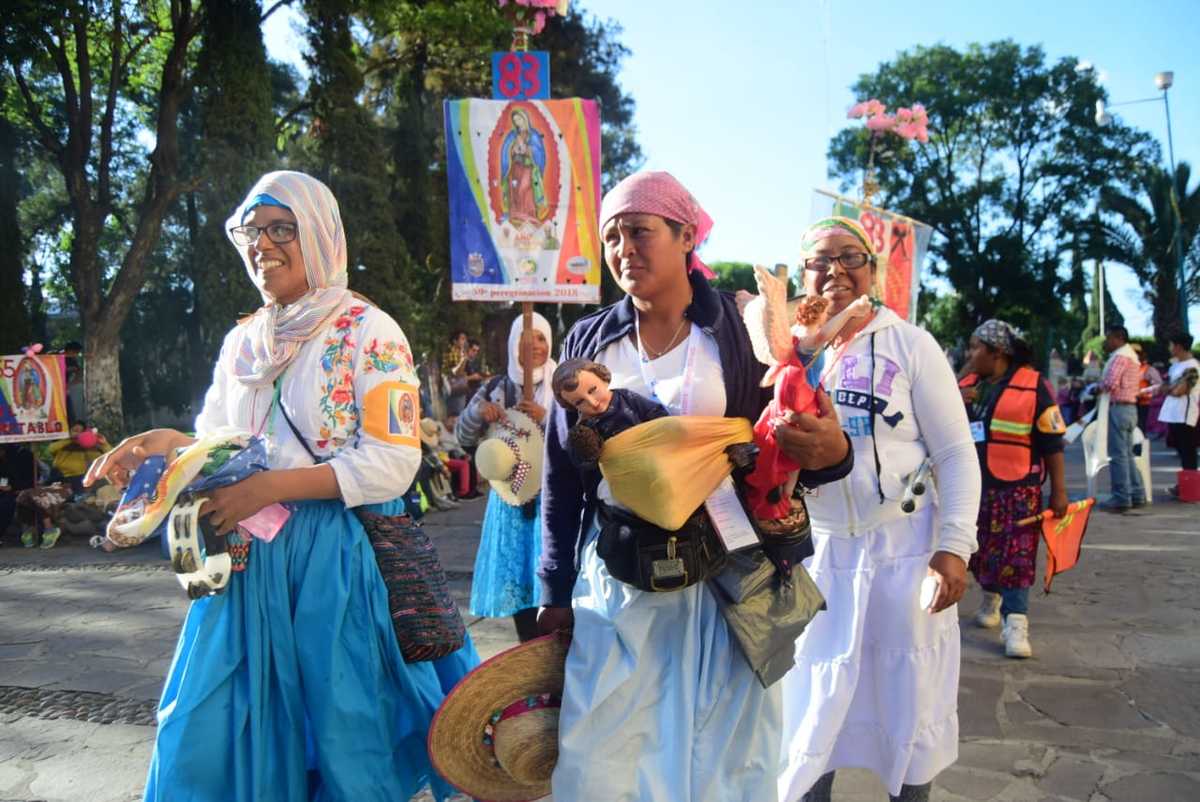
(279,233)
(848,261)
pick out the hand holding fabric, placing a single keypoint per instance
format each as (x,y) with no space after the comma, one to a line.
(815,442)
(118,465)
(226,506)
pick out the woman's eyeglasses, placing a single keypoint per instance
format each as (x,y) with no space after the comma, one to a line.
(848,261)
(279,233)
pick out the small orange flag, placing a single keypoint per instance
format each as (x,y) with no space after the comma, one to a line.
(1063,536)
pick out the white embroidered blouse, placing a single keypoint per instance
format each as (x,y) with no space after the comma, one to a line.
(352,393)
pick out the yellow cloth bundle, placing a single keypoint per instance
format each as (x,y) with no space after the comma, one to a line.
(664,469)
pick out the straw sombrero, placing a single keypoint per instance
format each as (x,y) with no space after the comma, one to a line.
(428,432)
(495,737)
(510,457)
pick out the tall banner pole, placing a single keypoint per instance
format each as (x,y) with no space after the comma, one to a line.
(520,44)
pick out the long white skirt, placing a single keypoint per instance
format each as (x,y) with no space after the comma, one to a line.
(659,705)
(876,678)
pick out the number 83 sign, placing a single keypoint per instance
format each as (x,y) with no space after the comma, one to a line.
(521,75)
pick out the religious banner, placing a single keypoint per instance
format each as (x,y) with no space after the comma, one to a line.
(33,397)
(900,241)
(524,182)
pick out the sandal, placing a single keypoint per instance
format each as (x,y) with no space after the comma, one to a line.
(102,543)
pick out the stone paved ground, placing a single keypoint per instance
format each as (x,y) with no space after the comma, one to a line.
(1108,708)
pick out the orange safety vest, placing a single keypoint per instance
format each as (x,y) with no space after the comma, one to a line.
(1010,454)
(1143,383)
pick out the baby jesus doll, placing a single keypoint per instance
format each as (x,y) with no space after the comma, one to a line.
(788,352)
(581,385)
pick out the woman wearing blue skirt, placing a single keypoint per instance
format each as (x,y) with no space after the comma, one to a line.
(504,582)
(291,685)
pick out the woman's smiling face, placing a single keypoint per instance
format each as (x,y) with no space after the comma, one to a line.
(279,268)
(839,285)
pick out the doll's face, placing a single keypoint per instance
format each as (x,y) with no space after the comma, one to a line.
(590,397)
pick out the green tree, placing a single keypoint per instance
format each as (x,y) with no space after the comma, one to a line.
(230,135)
(418,54)
(348,154)
(91,76)
(1139,231)
(1013,165)
(14,309)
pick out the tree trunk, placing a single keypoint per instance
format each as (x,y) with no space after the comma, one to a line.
(102,385)
(1166,304)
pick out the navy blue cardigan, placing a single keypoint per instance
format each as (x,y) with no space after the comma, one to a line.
(569,497)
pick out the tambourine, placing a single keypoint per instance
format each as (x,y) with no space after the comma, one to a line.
(199,556)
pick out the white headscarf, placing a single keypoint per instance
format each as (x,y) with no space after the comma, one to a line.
(541,375)
(275,333)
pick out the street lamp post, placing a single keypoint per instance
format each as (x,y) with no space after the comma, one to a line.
(1164,81)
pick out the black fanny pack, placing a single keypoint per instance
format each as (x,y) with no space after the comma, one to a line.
(650,558)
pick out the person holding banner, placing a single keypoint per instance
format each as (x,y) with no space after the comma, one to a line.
(659,705)
(875,683)
(504,583)
(1018,432)
(291,684)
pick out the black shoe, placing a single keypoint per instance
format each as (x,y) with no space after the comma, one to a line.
(1113,508)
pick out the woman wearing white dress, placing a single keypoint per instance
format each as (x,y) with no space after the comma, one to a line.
(658,704)
(290,685)
(876,678)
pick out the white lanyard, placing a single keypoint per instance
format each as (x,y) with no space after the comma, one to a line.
(724,509)
(684,407)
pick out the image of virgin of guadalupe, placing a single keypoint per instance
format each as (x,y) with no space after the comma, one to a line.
(522,164)
(29,382)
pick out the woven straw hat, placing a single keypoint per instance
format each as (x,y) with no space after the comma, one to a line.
(510,457)
(428,432)
(495,737)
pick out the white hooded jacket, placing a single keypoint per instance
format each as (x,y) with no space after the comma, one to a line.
(911,402)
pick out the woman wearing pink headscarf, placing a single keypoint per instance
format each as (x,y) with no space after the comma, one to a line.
(659,704)
(290,685)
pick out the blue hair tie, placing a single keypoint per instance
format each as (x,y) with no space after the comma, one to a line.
(263,199)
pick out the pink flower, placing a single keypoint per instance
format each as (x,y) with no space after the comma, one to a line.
(904,115)
(881,122)
(539,22)
(922,135)
(857,110)
(875,108)
(919,114)
(905,130)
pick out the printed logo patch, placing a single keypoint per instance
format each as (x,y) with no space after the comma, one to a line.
(1051,421)
(392,412)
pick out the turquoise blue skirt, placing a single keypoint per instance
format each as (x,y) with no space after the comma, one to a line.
(290,685)
(510,546)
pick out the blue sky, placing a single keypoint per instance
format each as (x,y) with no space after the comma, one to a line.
(739,100)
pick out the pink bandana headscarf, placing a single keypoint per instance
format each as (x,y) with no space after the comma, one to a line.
(275,333)
(661,194)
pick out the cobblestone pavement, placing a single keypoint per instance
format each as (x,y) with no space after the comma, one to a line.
(1107,710)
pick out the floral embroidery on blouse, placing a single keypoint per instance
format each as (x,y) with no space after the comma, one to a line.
(339,413)
(387,357)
